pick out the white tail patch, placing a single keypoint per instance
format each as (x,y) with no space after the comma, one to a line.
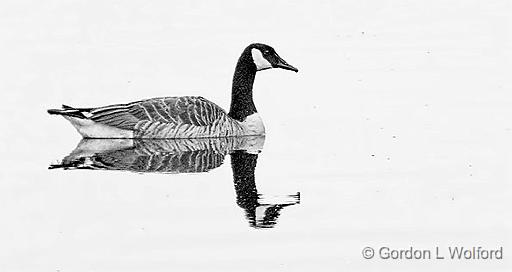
(90,129)
(260,61)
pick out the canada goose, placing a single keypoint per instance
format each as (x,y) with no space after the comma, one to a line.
(183,117)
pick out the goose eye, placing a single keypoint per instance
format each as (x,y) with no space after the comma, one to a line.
(266,52)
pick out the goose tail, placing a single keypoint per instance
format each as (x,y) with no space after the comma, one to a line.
(77,163)
(70,111)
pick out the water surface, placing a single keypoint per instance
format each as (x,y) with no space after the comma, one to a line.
(396,131)
(182,156)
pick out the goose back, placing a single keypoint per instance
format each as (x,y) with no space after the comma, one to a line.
(167,117)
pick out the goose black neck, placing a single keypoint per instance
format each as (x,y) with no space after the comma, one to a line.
(242,104)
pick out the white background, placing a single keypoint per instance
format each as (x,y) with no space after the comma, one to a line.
(424,86)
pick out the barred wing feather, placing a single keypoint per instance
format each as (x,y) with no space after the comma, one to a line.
(169,117)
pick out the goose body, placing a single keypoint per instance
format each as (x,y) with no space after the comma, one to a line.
(183,117)
(165,117)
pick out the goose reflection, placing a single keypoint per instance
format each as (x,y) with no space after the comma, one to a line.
(186,156)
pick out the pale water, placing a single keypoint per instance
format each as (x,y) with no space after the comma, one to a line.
(396,132)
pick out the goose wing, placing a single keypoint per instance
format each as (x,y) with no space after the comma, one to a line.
(191,110)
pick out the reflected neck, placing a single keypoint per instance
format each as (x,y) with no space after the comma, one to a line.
(243,165)
(242,104)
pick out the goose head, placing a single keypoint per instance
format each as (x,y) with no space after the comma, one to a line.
(265,57)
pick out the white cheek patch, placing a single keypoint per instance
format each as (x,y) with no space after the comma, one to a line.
(259,60)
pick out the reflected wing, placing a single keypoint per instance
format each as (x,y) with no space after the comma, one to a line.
(190,110)
(164,156)
(184,162)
